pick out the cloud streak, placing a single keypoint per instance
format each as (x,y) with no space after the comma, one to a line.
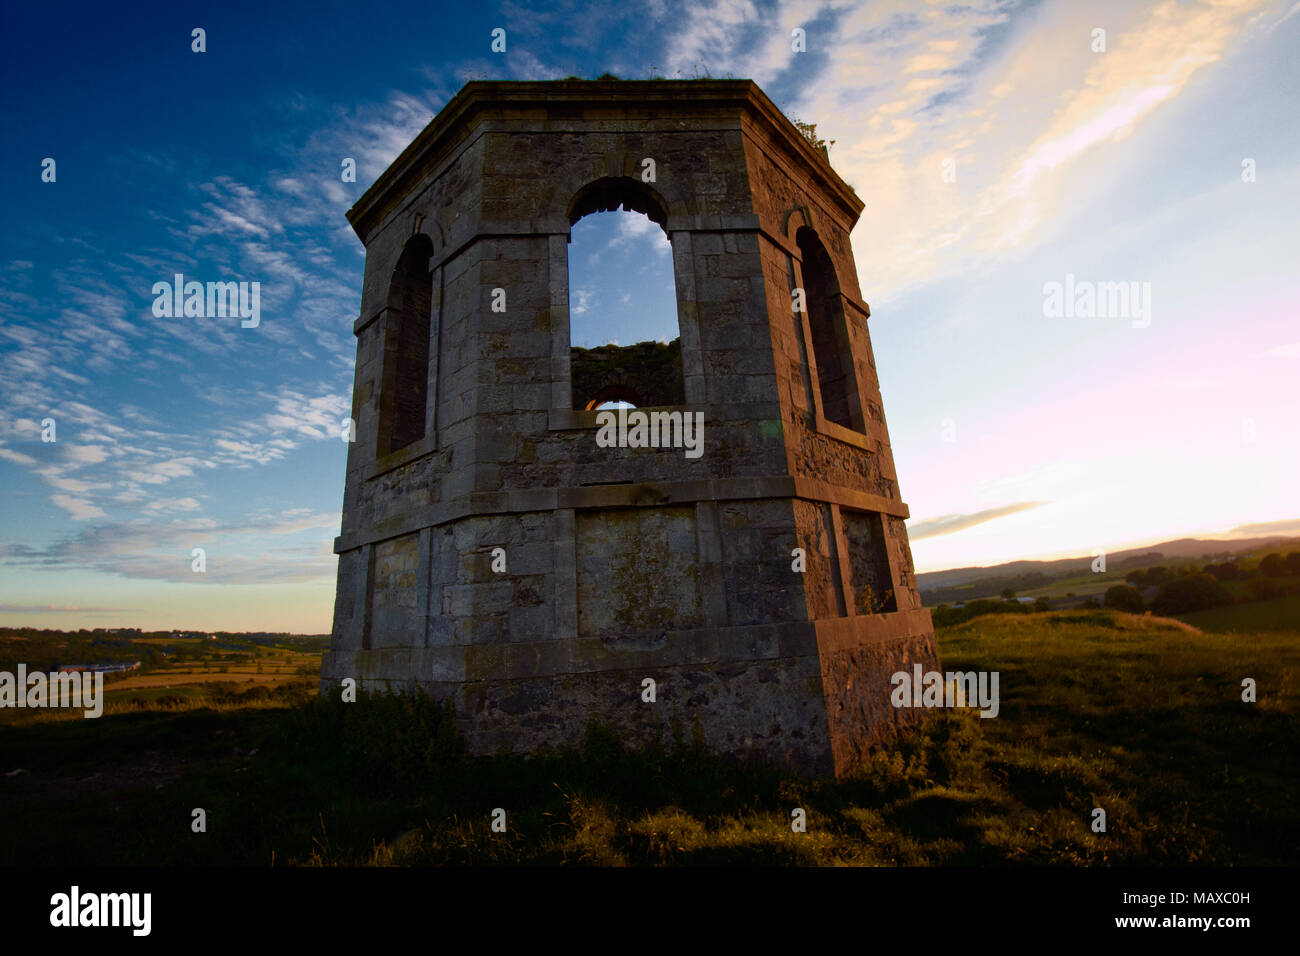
(1016,104)
(951,524)
(250,551)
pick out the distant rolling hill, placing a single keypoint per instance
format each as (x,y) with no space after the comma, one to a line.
(989,581)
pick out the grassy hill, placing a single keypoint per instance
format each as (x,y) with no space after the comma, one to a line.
(1140,716)
(1054,578)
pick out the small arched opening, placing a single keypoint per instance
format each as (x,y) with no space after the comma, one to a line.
(832,354)
(404,397)
(615,396)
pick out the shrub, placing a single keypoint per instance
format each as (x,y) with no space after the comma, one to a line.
(1193,592)
(1125,598)
(944,615)
(1261,589)
(1227,571)
(1273,566)
(1158,575)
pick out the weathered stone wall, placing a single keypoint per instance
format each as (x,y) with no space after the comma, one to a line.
(770,709)
(394,614)
(869,568)
(822,584)
(638,573)
(856,683)
(623,564)
(758,538)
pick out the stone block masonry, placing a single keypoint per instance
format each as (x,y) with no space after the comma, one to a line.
(495,554)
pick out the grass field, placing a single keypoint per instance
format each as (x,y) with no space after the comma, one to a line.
(1141,717)
(221,680)
(1276,614)
(1081,585)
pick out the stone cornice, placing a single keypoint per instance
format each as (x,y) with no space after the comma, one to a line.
(517,99)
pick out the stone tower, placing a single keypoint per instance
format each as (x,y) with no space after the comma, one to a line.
(494,553)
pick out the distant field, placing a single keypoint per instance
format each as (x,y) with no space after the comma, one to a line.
(182,676)
(190,644)
(1277,614)
(1139,716)
(207,677)
(1083,585)
(269,665)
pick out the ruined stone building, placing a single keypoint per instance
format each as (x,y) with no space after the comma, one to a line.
(493,553)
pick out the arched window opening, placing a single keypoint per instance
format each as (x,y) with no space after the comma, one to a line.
(622,289)
(615,397)
(404,399)
(831,352)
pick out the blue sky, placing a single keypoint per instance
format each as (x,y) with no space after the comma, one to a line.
(1016,434)
(620,281)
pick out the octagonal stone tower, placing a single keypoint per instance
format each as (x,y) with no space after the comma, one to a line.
(494,553)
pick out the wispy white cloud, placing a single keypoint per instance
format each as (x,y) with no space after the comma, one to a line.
(235,211)
(1288,526)
(84,454)
(580,301)
(76,486)
(636,230)
(317,416)
(951,524)
(78,508)
(1015,103)
(17,457)
(289,546)
(1291,350)
(1295,8)
(171,505)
